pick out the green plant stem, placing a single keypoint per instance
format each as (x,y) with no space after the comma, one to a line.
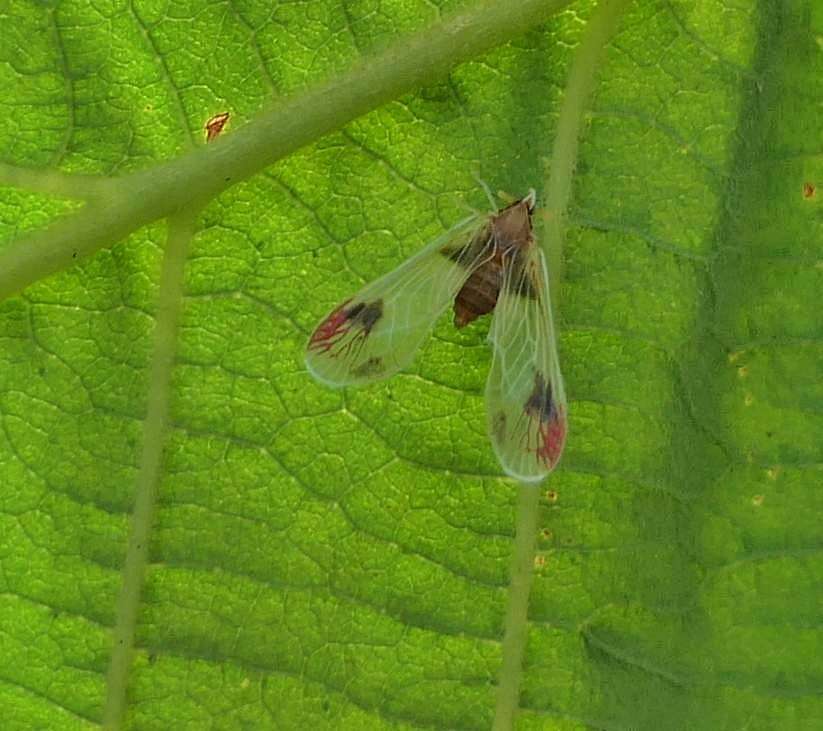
(181,229)
(286,126)
(558,185)
(53,182)
(558,189)
(516,627)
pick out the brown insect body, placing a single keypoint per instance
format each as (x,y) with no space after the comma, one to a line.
(506,236)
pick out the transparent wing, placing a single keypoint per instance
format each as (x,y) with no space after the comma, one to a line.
(525,399)
(376,333)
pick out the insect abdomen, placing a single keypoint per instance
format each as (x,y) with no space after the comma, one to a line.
(478,295)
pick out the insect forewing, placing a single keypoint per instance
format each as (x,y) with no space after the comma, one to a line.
(525,400)
(376,333)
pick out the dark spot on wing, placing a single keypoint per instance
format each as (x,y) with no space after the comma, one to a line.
(372,367)
(540,403)
(366,314)
(499,426)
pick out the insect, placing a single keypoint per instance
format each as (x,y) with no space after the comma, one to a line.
(483,264)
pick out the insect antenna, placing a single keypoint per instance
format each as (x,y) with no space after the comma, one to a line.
(488,191)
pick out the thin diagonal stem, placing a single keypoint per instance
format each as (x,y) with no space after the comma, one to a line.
(289,124)
(558,192)
(181,229)
(516,627)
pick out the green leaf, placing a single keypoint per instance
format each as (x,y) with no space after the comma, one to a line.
(286,556)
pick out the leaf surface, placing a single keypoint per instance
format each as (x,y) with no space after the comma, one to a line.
(325,559)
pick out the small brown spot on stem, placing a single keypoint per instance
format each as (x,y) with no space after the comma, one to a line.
(215,125)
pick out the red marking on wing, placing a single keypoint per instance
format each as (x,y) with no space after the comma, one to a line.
(545,437)
(342,332)
(552,437)
(545,433)
(329,332)
(215,125)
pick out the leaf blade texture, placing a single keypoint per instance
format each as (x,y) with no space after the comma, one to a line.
(340,559)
